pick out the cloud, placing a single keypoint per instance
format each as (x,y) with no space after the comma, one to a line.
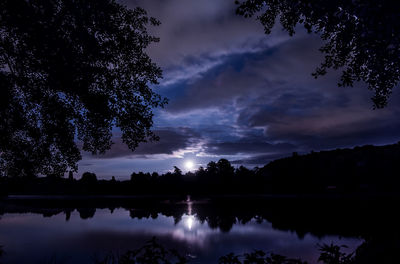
(266,72)
(247,147)
(195,28)
(259,160)
(320,121)
(171,140)
(189,70)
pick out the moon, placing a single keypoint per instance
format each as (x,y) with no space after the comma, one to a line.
(189,164)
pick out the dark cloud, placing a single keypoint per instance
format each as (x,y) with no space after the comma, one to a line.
(260,160)
(199,28)
(171,139)
(322,122)
(268,71)
(247,147)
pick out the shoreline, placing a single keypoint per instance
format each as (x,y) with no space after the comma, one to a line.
(193,198)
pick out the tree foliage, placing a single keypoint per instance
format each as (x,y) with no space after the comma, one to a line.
(72,70)
(361,37)
(89,178)
(151,253)
(259,257)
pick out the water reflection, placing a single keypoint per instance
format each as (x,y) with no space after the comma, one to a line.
(203,229)
(189,220)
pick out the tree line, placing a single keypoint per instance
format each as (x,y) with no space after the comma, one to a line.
(367,169)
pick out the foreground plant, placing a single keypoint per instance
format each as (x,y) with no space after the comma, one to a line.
(151,253)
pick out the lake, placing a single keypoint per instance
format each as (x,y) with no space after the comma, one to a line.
(81,230)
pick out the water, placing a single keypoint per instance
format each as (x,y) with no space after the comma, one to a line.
(46,234)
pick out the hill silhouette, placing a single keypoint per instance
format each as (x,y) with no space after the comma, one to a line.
(367,168)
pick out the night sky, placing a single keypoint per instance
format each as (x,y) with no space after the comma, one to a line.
(239,94)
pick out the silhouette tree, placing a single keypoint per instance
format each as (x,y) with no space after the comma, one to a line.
(72,70)
(225,170)
(140,179)
(243,174)
(361,37)
(332,254)
(212,169)
(89,178)
(86,213)
(154,176)
(70,176)
(177,171)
